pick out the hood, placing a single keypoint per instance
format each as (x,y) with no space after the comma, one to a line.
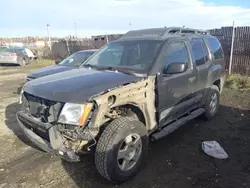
(49,70)
(77,85)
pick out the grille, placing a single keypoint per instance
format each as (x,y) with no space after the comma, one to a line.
(39,107)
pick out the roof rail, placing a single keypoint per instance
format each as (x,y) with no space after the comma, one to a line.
(163,32)
(178,30)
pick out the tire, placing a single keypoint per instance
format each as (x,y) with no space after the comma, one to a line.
(22,62)
(113,139)
(209,111)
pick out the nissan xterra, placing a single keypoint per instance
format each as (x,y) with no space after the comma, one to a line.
(139,88)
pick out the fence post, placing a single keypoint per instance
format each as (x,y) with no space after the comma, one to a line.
(231,52)
(67,45)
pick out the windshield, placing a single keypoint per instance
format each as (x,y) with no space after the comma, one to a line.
(76,59)
(137,56)
(20,51)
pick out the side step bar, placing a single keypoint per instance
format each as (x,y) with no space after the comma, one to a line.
(176,124)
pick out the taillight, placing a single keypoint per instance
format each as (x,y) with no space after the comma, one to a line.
(14,54)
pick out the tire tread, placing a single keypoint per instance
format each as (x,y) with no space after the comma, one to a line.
(105,143)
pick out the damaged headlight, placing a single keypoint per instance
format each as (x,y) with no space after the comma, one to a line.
(75,114)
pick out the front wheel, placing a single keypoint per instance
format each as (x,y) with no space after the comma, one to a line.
(212,103)
(121,149)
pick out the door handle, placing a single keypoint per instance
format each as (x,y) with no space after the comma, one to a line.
(192,79)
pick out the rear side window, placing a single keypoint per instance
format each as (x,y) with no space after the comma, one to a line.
(215,48)
(199,51)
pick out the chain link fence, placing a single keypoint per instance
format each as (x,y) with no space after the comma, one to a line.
(241,49)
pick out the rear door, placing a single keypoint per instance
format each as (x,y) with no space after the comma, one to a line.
(202,62)
(175,92)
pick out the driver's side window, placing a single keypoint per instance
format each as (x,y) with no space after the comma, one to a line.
(176,53)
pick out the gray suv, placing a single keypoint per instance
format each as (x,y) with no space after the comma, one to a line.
(139,88)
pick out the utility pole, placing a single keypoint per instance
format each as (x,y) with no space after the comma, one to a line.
(49,41)
(130,25)
(75,30)
(232,49)
(107,38)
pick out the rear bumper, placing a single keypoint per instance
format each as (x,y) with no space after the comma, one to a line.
(14,61)
(50,141)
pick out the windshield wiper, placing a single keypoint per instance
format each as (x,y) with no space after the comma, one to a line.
(91,66)
(125,71)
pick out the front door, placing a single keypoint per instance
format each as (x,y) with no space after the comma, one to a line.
(176,91)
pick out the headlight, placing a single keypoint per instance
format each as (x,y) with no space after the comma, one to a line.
(75,114)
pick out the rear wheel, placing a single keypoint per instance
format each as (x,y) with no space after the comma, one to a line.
(121,149)
(212,103)
(22,62)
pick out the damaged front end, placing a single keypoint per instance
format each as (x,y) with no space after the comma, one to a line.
(70,129)
(48,124)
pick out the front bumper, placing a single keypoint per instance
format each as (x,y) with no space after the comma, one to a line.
(46,137)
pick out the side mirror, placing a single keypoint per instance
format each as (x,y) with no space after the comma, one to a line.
(57,61)
(175,68)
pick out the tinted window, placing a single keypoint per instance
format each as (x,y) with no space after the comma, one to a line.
(176,53)
(199,51)
(20,51)
(215,48)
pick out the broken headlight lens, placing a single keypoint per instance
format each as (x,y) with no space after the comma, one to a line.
(75,114)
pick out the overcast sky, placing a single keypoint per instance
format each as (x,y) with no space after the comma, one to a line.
(29,17)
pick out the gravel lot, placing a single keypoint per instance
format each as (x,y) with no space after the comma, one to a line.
(175,161)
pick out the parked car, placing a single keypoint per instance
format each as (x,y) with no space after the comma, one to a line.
(8,56)
(26,53)
(73,61)
(139,88)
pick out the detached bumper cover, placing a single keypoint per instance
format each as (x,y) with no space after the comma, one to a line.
(48,138)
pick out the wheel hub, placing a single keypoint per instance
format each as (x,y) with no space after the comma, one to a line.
(129,152)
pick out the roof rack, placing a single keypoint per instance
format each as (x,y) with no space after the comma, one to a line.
(178,30)
(161,32)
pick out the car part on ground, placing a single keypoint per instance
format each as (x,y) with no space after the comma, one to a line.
(144,85)
(213,149)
